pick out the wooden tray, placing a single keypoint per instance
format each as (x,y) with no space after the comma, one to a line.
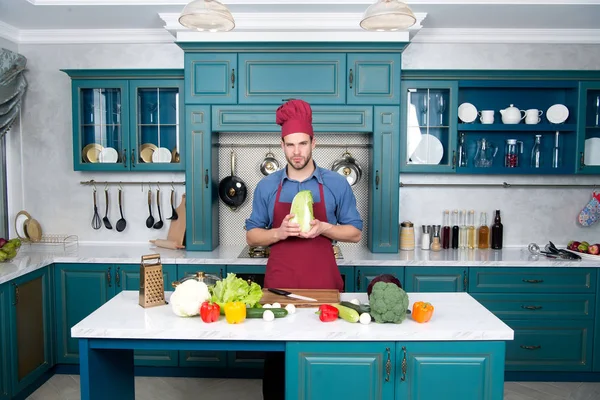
(324,296)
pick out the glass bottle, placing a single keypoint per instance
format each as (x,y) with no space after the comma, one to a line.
(483,232)
(435,245)
(446,230)
(536,152)
(497,231)
(462,238)
(455,229)
(471,232)
(462,151)
(556,159)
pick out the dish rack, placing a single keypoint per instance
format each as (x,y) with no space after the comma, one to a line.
(67,241)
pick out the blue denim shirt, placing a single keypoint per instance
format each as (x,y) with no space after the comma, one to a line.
(339,198)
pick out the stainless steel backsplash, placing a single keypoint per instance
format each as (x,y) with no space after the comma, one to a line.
(249,159)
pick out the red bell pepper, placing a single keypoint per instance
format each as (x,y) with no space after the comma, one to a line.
(327,313)
(209,312)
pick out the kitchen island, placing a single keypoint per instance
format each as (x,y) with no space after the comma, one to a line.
(459,354)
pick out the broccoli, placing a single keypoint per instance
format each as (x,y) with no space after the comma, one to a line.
(388,303)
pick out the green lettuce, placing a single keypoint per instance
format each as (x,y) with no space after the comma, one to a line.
(302,208)
(233,288)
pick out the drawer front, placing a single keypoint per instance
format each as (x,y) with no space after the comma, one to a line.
(420,279)
(553,345)
(539,306)
(273,78)
(532,280)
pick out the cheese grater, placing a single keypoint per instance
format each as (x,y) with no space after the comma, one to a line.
(152,289)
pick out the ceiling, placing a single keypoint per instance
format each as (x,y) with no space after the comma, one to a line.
(48,21)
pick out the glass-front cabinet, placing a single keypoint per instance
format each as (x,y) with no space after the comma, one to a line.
(428,126)
(132,124)
(589,128)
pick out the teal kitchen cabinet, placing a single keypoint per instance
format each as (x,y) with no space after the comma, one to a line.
(190,358)
(348,277)
(31,328)
(364,275)
(432,279)
(588,128)
(428,131)
(127,277)
(384,195)
(359,370)
(449,370)
(211,78)
(273,78)
(127,120)
(373,78)
(4,344)
(202,180)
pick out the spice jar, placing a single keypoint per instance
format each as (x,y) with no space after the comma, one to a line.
(407,236)
(435,245)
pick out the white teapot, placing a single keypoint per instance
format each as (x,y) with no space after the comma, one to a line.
(512,115)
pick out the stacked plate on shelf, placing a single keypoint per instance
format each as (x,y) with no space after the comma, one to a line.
(96,153)
(150,153)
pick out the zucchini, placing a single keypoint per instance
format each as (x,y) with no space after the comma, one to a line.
(363,308)
(258,312)
(347,313)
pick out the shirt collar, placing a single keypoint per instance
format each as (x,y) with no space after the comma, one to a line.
(316,174)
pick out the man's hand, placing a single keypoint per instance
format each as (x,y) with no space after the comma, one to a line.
(288,228)
(318,228)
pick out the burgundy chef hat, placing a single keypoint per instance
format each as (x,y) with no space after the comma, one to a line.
(295,116)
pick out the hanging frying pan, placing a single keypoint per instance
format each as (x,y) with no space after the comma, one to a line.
(232,190)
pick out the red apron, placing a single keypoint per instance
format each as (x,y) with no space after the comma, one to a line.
(298,263)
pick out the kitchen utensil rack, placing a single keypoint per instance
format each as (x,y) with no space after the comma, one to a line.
(67,241)
(504,185)
(93,182)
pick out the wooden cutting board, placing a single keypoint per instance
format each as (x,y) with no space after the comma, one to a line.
(324,296)
(177,228)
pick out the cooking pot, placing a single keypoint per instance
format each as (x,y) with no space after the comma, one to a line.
(232,190)
(269,164)
(348,167)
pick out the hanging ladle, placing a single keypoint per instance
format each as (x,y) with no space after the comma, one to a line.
(96,223)
(150,220)
(174,215)
(107,223)
(121,224)
(159,223)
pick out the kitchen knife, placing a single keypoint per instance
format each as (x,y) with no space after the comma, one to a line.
(290,294)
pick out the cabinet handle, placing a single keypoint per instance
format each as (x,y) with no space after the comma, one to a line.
(351,78)
(233,78)
(531,307)
(530,347)
(118,277)
(465,281)
(16,301)
(377,180)
(133,158)
(108,278)
(206,178)
(581,160)
(124,158)
(358,281)
(403,364)
(388,365)
(533,280)
(453,159)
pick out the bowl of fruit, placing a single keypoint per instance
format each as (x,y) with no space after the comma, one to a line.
(9,249)
(585,250)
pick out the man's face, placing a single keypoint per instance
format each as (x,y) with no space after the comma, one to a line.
(297,148)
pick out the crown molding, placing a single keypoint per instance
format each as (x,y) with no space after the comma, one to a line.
(306,2)
(77,36)
(293,36)
(9,32)
(569,36)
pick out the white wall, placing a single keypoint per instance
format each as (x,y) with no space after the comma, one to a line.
(7,44)
(43,182)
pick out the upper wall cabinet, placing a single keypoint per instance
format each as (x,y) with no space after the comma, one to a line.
(373,78)
(127,120)
(211,78)
(588,145)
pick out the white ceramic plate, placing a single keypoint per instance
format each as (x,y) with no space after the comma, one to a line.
(429,151)
(467,112)
(557,114)
(161,155)
(108,155)
(592,151)
(585,256)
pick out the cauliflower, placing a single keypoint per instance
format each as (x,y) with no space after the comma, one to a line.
(188,297)
(388,303)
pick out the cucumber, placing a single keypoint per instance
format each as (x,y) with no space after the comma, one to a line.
(258,312)
(347,313)
(363,308)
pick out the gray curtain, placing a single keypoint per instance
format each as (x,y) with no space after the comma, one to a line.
(12,87)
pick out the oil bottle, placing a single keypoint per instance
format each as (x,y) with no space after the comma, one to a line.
(471,232)
(497,231)
(483,232)
(462,238)
(455,229)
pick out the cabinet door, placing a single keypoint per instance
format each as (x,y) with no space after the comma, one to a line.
(156,125)
(450,370)
(4,345)
(31,328)
(422,279)
(348,278)
(384,181)
(588,128)
(79,290)
(100,129)
(189,358)
(272,78)
(211,78)
(322,371)
(202,181)
(374,78)
(428,126)
(127,277)
(364,275)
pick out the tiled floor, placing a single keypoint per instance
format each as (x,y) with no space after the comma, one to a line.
(66,387)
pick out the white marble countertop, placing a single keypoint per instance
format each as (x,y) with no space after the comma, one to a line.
(32,257)
(457,317)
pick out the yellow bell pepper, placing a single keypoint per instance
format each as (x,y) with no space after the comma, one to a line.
(235,312)
(422,311)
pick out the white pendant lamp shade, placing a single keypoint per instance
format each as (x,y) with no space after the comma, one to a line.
(388,15)
(207,15)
